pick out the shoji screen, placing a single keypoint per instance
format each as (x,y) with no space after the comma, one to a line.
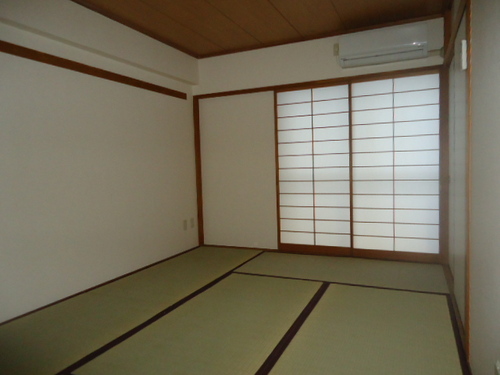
(395,147)
(359,165)
(313,138)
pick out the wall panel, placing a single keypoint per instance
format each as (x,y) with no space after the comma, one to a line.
(97,178)
(238,171)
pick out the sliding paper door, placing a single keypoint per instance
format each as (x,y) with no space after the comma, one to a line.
(359,165)
(313,150)
(395,151)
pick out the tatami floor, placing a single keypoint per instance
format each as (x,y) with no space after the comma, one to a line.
(236,311)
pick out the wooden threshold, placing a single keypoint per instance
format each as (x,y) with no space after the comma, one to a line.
(361,253)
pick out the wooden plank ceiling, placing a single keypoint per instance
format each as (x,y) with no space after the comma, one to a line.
(204,28)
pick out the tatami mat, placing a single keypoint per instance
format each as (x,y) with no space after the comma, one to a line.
(361,331)
(52,339)
(229,329)
(378,273)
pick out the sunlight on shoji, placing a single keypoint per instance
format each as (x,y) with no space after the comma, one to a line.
(372,159)
(329,147)
(373,201)
(372,145)
(371,215)
(372,87)
(372,173)
(294,96)
(416,127)
(372,131)
(338,227)
(330,106)
(417,216)
(336,213)
(422,82)
(323,239)
(297,200)
(416,187)
(373,243)
(332,92)
(299,109)
(332,200)
(373,187)
(325,134)
(296,174)
(294,123)
(417,245)
(300,161)
(395,171)
(297,225)
(326,187)
(416,98)
(335,119)
(327,160)
(296,187)
(297,238)
(373,116)
(417,158)
(326,174)
(301,135)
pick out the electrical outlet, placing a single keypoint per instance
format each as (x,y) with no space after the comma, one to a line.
(497,368)
(185,224)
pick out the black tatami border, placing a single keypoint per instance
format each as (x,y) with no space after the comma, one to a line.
(281,347)
(466,370)
(96,353)
(341,283)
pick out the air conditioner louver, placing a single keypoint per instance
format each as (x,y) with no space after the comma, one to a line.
(381,46)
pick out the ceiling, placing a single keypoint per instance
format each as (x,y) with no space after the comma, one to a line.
(204,28)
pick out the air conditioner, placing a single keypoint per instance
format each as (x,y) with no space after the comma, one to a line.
(379,46)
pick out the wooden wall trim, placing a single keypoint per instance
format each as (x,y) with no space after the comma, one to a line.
(455,25)
(450,280)
(351,171)
(360,253)
(325,82)
(60,62)
(444,166)
(199,180)
(277,170)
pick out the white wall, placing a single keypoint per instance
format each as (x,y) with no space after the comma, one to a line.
(239,172)
(293,63)
(238,132)
(69,30)
(458,172)
(485,228)
(96,176)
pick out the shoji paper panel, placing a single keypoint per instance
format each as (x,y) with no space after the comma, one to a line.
(313,156)
(395,150)
(389,130)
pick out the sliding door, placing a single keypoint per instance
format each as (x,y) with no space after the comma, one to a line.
(314,166)
(358,166)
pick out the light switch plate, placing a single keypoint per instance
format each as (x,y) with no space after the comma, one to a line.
(464,55)
(497,367)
